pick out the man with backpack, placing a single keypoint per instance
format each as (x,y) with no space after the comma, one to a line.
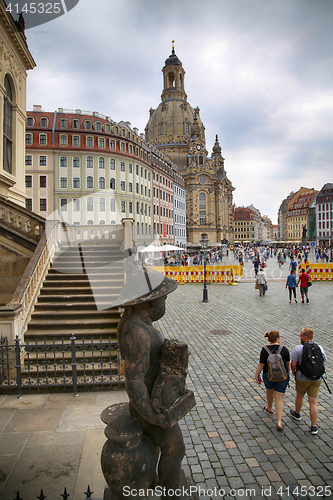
(293,265)
(307,365)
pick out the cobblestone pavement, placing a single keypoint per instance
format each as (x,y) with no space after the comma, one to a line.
(231,444)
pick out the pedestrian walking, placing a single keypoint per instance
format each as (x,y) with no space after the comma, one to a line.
(304,279)
(274,389)
(291,284)
(261,281)
(307,350)
(293,265)
(256,264)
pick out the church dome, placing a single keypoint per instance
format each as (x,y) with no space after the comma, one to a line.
(172,122)
(173,59)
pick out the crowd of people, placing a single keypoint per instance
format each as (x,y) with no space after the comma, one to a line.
(258,255)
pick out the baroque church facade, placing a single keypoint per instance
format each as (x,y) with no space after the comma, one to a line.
(175,127)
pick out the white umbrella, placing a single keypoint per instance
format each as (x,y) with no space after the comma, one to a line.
(163,248)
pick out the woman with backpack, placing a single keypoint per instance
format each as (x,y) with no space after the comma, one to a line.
(274,361)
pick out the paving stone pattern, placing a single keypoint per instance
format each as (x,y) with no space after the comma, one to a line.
(231,444)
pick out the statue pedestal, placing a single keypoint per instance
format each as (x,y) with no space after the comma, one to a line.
(128,455)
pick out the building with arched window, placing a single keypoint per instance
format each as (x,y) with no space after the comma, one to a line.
(15,60)
(176,129)
(87,155)
(20,229)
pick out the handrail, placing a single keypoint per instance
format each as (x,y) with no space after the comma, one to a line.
(27,291)
(18,311)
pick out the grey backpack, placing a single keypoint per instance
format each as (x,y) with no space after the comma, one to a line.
(276,369)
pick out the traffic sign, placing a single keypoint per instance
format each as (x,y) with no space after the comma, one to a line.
(313,244)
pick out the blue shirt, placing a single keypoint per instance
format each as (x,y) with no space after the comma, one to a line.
(291,280)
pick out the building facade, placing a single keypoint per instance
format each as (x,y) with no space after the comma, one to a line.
(15,61)
(163,197)
(298,215)
(180,211)
(85,169)
(175,127)
(248,225)
(324,215)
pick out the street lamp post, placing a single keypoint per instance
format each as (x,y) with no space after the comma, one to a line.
(204,244)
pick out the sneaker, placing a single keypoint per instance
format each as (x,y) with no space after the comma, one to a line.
(307,301)
(296,416)
(313,430)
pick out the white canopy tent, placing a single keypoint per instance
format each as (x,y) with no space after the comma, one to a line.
(163,248)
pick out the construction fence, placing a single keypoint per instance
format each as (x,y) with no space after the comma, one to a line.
(195,274)
(318,271)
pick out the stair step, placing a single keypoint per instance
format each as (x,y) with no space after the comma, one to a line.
(56,276)
(86,332)
(90,315)
(67,321)
(85,298)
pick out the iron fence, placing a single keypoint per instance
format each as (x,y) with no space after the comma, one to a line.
(65,495)
(59,363)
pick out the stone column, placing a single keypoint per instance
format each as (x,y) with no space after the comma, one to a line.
(128,233)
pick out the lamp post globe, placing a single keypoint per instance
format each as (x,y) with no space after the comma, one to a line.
(204,244)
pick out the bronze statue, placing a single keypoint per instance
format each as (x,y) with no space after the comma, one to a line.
(155,369)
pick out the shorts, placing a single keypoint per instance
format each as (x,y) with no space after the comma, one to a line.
(304,290)
(277,386)
(312,388)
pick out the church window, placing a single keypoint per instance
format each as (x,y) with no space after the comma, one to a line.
(101,183)
(90,182)
(187,128)
(112,164)
(200,160)
(202,201)
(90,162)
(162,129)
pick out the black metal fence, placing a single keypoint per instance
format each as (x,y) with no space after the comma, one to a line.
(64,495)
(59,363)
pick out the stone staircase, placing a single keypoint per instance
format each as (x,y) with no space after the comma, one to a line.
(75,301)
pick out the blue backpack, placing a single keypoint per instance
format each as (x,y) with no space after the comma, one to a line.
(293,265)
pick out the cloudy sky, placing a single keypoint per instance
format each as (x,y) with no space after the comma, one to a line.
(261,72)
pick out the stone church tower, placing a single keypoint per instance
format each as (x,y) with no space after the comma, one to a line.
(175,128)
